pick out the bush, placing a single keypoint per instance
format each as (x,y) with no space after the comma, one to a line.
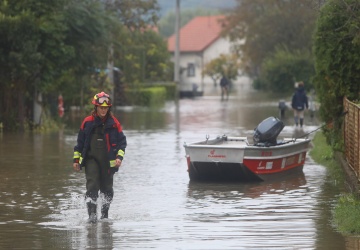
(281,70)
(169,87)
(146,96)
(337,62)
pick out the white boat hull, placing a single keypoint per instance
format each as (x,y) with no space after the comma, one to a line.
(233,158)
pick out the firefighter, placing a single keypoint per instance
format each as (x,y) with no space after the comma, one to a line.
(100,150)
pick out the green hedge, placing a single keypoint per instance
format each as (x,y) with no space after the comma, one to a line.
(150,94)
(337,63)
(146,96)
(170,91)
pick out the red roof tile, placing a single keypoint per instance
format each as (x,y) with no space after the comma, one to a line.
(198,34)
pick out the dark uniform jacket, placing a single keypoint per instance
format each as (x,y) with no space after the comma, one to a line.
(113,136)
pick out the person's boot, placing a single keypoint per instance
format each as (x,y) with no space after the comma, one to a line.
(105,211)
(301,122)
(296,121)
(92,212)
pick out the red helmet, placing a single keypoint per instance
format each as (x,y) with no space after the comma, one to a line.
(102,99)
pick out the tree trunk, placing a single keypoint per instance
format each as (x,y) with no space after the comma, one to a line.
(21,106)
(37,108)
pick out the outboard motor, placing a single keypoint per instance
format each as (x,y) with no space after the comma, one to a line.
(267,131)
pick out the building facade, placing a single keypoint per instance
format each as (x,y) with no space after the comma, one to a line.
(200,42)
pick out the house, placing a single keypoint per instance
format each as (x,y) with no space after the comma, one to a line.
(200,41)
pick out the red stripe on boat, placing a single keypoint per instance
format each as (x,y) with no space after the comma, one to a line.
(269,166)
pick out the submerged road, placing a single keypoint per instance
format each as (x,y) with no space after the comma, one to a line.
(155,205)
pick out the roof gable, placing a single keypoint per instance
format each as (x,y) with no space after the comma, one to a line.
(198,34)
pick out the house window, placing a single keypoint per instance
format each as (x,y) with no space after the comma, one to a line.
(191,69)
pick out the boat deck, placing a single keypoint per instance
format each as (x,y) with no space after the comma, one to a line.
(237,142)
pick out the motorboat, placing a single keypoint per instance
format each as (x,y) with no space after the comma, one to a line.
(239,159)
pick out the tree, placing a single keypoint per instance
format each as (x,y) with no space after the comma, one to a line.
(31,44)
(225,65)
(60,47)
(283,68)
(139,51)
(142,56)
(337,61)
(266,24)
(88,34)
(134,14)
(42,44)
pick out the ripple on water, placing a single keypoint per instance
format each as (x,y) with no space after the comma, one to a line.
(207,215)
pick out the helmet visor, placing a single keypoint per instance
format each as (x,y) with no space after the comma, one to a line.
(103,99)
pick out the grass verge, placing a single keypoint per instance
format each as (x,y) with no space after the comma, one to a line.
(346,213)
(323,155)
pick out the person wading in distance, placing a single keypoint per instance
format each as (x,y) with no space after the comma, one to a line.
(299,103)
(224,84)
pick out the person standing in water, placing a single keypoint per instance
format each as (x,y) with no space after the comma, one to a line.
(282,107)
(299,103)
(224,84)
(100,149)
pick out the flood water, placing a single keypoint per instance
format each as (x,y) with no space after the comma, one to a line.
(155,205)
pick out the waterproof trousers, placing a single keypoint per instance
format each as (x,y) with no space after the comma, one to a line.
(99,177)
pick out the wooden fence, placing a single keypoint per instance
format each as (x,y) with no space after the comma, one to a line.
(352,136)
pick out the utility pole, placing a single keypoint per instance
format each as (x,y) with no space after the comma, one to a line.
(177,65)
(110,74)
(177,46)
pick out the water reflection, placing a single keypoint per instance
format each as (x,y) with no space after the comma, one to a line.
(245,190)
(97,236)
(255,214)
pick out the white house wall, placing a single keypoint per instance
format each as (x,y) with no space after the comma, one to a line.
(186,82)
(199,59)
(220,46)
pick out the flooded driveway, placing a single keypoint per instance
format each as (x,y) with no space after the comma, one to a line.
(155,205)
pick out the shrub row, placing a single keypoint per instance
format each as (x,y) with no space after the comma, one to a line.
(156,94)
